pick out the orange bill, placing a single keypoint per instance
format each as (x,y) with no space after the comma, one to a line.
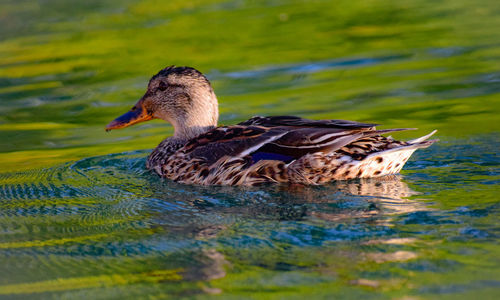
(135,115)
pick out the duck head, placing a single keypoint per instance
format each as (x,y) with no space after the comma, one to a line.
(181,96)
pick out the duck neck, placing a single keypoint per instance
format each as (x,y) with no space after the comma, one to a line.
(202,117)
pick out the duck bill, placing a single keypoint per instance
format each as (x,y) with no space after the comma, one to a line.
(134,116)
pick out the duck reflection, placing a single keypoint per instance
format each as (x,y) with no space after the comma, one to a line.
(384,196)
(208,216)
(366,198)
(209,264)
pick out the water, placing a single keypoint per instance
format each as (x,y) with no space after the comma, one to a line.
(80,217)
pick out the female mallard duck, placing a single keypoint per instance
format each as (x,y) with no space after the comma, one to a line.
(261,149)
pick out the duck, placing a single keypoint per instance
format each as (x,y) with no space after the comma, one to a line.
(262,149)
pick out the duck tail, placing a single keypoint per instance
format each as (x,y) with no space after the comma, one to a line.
(391,161)
(424,139)
(411,146)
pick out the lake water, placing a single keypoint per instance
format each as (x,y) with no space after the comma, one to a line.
(81,218)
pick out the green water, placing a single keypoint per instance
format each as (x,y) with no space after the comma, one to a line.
(80,218)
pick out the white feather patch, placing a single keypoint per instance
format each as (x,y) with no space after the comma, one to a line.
(252,149)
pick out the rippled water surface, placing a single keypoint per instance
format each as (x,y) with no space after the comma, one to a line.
(80,217)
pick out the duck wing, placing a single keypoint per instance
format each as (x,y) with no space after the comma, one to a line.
(283,143)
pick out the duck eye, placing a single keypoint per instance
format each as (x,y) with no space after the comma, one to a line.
(162,86)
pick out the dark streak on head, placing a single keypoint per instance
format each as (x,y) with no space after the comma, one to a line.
(189,72)
(177,70)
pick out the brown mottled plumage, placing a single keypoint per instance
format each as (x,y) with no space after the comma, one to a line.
(279,149)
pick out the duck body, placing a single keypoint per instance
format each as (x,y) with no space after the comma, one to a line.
(283,149)
(277,149)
